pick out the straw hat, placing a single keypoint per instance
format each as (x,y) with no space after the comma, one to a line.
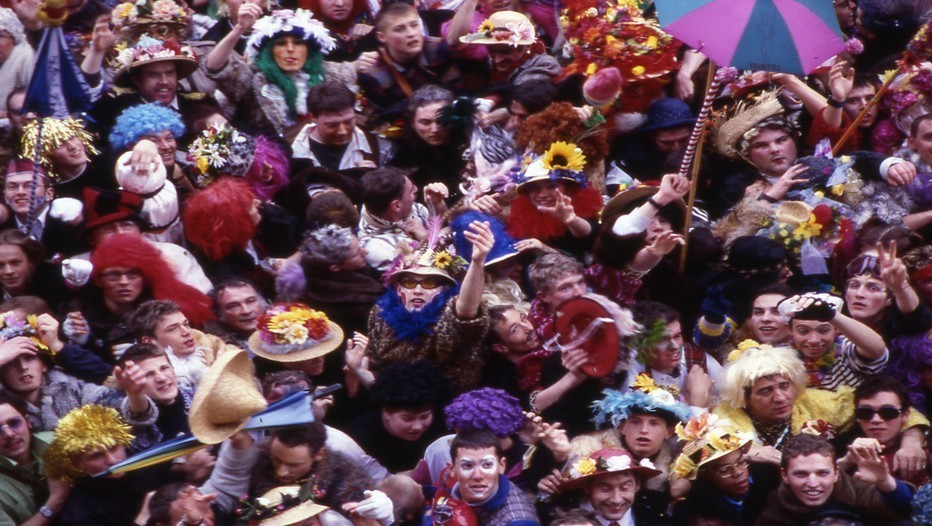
(561,162)
(149,51)
(706,438)
(281,506)
(504,27)
(226,398)
(608,461)
(293,332)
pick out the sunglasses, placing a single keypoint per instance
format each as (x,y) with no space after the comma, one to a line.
(887,412)
(426,284)
(13,424)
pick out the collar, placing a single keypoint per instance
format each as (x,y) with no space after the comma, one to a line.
(41,217)
(382,225)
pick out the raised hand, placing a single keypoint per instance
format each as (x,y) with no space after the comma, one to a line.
(480,237)
(892,269)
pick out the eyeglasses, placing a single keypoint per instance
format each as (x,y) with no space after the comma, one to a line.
(14,424)
(732,470)
(426,284)
(114,276)
(887,412)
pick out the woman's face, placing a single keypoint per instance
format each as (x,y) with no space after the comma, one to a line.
(15,269)
(866,297)
(545,193)
(427,125)
(290,54)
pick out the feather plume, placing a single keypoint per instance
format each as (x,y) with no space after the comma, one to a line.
(434,226)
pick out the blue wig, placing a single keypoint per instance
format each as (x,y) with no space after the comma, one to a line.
(144,119)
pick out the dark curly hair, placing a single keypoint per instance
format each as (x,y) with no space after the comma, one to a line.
(559,122)
(412,385)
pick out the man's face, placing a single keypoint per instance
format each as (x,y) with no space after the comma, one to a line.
(108,230)
(69,154)
(100,459)
(657,226)
(564,289)
(729,474)
(426,123)
(416,292)
(811,478)
(477,472)
(336,128)
(516,332)
(24,374)
(402,36)
(669,351)
(812,338)
(240,308)
(407,424)
(771,399)
(14,437)
(174,330)
(405,202)
(335,10)
(17,192)
(15,269)
(922,142)
(517,114)
(166,145)
(857,100)
(506,58)
(844,12)
(292,464)
(643,434)
(772,152)
(671,140)
(866,297)
(289,54)
(612,494)
(159,376)
(187,498)
(157,82)
(121,285)
(766,322)
(313,367)
(356,260)
(885,431)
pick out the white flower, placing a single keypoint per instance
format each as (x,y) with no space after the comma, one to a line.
(618,463)
(662,397)
(262,503)
(646,463)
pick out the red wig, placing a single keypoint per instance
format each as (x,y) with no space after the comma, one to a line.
(217,219)
(524,221)
(134,252)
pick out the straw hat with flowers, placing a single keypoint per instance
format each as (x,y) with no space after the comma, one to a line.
(294,332)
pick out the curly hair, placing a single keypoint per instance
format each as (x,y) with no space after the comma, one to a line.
(144,119)
(325,246)
(410,385)
(756,363)
(558,122)
(217,220)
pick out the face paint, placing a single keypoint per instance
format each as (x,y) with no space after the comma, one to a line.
(477,472)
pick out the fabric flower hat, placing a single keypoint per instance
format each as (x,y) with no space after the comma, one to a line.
(149,12)
(436,256)
(149,50)
(706,438)
(503,27)
(220,151)
(293,332)
(563,161)
(280,506)
(644,396)
(606,461)
(300,23)
(12,325)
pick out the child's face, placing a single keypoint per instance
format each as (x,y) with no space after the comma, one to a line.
(564,289)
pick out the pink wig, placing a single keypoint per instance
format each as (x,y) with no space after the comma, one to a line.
(217,219)
(268,172)
(134,252)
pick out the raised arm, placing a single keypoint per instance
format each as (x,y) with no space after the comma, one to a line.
(480,237)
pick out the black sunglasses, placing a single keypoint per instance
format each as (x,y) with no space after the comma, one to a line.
(887,412)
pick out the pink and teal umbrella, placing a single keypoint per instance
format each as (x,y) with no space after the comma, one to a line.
(786,36)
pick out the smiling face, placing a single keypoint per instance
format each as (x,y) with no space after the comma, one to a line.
(402,37)
(426,123)
(771,399)
(515,332)
(407,424)
(157,82)
(811,478)
(772,152)
(159,376)
(17,192)
(477,472)
(545,193)
(766,322)
(14,437)
(166,146)
(612,494)
(240,308)
(812,338)
(506,58)
(289,53)
(643,434)
(69,155)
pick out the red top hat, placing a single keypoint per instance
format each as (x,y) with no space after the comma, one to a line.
(108,206)
(584,323)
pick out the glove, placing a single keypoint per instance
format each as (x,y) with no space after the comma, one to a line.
(715,307)
(67,209)
(68,330)
(76,271)
(377,506)
(816,307)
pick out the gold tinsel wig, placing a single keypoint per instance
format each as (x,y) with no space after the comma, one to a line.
(55,132)
(82,430)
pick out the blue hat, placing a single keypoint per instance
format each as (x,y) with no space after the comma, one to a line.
(667,113)
(503,248)
(644,397)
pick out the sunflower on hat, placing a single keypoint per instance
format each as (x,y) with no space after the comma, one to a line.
(562,161)
(645,395)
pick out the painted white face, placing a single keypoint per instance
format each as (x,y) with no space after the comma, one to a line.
(477,471)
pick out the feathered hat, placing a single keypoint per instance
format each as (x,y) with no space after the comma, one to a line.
(84,429)
(300,23)
(706,438)
(733,130)
(645,396)
(436,256)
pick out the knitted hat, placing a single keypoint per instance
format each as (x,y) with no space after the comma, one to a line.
(149,50)
(644,397)
(504,27)
(144,119)
(293,332)
(83,430)
(226,398)
(103,206)
(503,248)
(608,461)
(706,438)
(667,113)
(300,23)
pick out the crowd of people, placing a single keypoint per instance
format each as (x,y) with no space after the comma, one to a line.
(466,222)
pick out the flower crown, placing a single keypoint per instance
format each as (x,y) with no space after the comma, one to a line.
(706,438)
(561,161)
(291,327)
(591,466)
(148,48)
(514,33)
(645,395)
(285,21)
(164,11)
(273,503)
(221,150)
(12,326)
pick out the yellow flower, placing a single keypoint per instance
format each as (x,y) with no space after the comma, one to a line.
(722,440)
(564,156)
(808,229)
(838,189)
(586,466)
(637,71)
(203,164)
(610,14)
(696,427)
(819,193)
(651,42)
(442,259)
(609,39)
(486,27)
(683,467)
(591,69)
(644,383)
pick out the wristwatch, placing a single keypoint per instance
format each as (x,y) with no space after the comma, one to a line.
(46,512)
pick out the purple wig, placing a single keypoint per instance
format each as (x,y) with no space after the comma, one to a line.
(269,170)
(486,408)
(910,354)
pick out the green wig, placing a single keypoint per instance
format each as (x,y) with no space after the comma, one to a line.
(313,66)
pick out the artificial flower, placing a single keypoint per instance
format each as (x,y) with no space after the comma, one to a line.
(585,467)
(683,467)
(442,259)
(486,27)
(564,156)
(808,229)
(618,463)
(644,382)
(696,427)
